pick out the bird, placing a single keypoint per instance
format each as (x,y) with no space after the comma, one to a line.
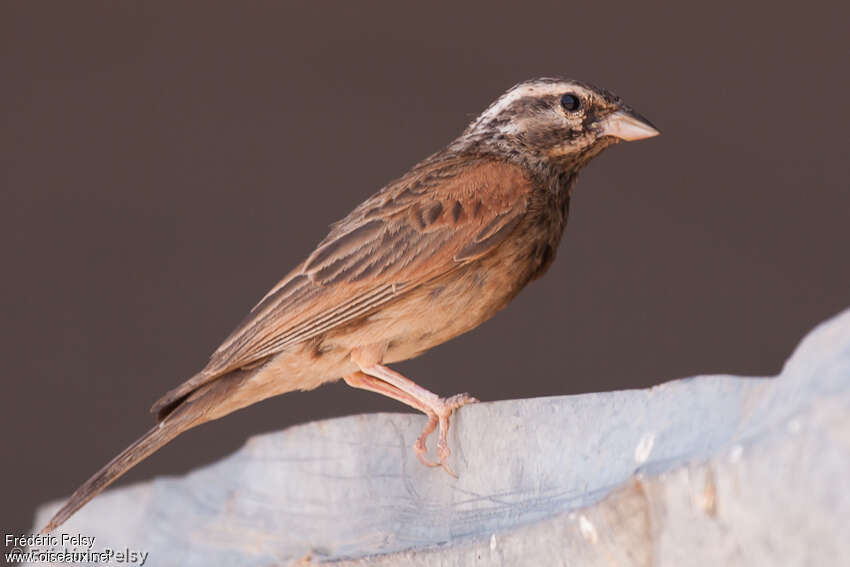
(428,257)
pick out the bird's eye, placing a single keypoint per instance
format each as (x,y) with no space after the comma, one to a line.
(570,102)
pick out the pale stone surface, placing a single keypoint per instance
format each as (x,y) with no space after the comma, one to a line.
(712,470)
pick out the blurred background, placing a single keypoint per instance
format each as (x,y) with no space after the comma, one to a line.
(164,164)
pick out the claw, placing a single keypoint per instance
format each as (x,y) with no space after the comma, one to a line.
(442,412)
(383,380)
(443,453)
(420,446)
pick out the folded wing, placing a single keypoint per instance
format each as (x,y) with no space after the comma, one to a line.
(422,226)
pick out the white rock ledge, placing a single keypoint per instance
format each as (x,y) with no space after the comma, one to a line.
(711,470)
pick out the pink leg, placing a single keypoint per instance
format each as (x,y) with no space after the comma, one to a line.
(438,410)
(366,382)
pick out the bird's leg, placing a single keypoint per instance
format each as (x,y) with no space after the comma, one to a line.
(439,409)
(366,382)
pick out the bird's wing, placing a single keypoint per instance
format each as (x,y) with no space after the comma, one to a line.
(431,221)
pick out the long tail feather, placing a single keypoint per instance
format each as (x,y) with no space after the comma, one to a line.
(210,401)
(129,457)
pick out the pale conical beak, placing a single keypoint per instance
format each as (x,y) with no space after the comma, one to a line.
(627,126)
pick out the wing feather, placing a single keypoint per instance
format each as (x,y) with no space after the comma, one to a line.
(433,220)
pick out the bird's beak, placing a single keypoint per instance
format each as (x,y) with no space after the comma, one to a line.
(627,125)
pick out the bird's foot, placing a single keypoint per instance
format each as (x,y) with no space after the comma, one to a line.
(440,414)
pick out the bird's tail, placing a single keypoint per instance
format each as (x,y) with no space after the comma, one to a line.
(161,434)
(210,401)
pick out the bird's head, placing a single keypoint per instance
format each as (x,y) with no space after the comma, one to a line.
(554,121)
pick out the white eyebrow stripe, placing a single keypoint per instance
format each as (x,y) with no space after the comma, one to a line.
(525,90)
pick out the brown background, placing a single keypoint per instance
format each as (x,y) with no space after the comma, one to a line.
(163,164)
